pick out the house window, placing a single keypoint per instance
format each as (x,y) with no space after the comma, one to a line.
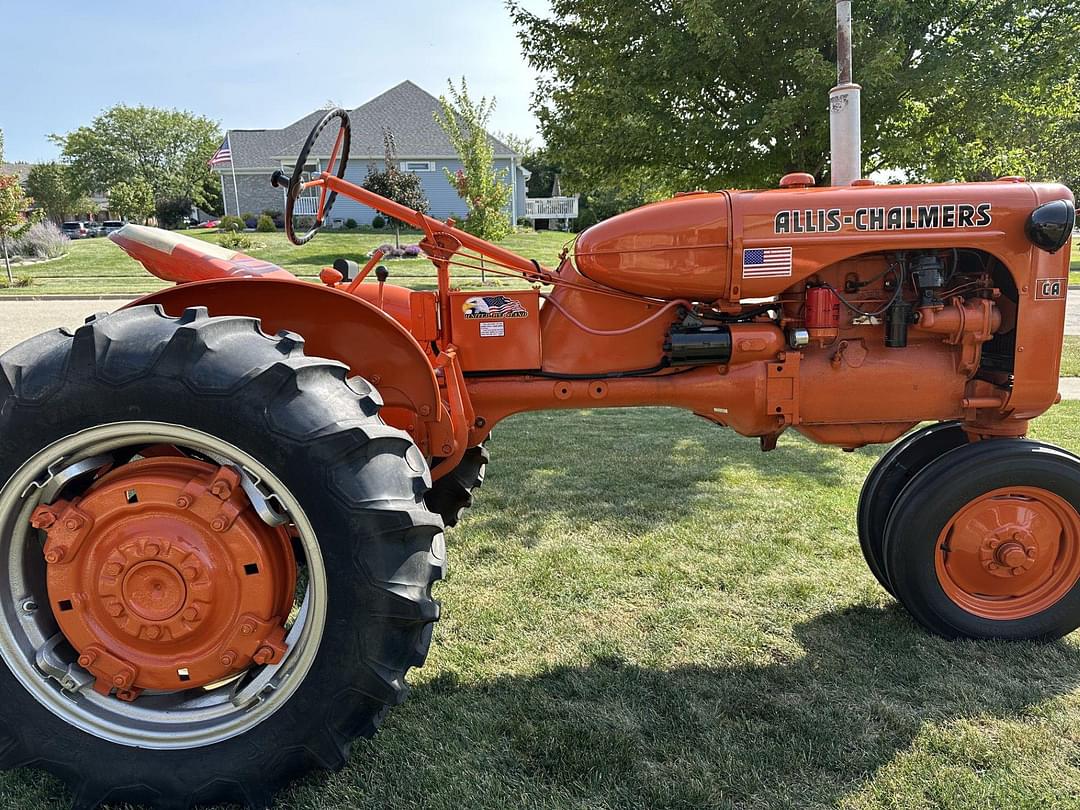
(418,165)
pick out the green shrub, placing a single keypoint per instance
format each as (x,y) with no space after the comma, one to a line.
(265,224)
(350,223)
(172,211)
(234,240)
(378,222)
(233,224)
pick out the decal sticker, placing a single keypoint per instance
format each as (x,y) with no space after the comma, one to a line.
(492,328)
(772,262)
(898,218)
(1051,289)
(493,306)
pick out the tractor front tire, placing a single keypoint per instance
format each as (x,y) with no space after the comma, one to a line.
(894,470)
(357,485)
(452,494)
(984,542)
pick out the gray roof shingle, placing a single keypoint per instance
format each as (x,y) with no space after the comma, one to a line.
(406,109)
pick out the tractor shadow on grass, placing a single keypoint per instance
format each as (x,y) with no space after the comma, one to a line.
(643,470)
(804,732)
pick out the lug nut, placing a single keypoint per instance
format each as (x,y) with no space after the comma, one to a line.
(264,655)
(86,659)
(191,614)
(153,632)
(113,569)
(42,518)
(115,610)
(73,523)
(152,550)
(218,524)
(190,572)
(247,628)
(54,555)
(228,659)
(183,501)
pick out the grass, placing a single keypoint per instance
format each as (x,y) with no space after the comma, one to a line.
(1074,266)
(1070,356)
(98,267)
(644,612)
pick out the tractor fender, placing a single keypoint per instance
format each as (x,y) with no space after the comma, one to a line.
(334,325)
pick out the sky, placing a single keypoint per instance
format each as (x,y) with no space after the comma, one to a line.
(247,65)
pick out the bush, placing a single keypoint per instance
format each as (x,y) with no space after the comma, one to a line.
(172,211)
(265,224)
(350,223)
(234,240)
(303,224)
(378,223)
(21,280)
(233,224)
(406,252)
(277,217)
(43,240)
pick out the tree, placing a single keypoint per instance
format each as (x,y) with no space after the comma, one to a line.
(132,200)
(483,188)
(707,93)
(52,187)
(14,205)
(403,188)
(166,149)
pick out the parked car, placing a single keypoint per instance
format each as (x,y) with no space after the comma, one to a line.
(75,230)
(111,226)
(94,229)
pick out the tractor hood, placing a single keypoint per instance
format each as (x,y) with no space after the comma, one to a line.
(756,244)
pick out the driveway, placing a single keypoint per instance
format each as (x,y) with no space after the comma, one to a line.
(20,320)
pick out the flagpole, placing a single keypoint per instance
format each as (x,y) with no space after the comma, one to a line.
(232,166)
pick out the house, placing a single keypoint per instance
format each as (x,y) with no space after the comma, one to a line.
(422,148)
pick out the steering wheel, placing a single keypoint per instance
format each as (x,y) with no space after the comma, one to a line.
(326,197)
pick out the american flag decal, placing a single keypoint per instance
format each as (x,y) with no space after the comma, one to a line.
(494,306)
(772,262)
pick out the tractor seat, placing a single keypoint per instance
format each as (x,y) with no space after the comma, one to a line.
(174,257)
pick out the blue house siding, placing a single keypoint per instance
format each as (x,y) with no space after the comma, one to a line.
(442,196)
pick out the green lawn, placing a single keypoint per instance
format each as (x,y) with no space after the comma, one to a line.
(1074,267)
(644,611)
(1070,356)
(97,266)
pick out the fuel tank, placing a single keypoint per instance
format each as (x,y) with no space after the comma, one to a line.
(670,249)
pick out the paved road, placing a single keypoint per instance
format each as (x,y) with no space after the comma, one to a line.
(22,319)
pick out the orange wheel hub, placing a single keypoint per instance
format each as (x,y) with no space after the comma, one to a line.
(1010,554)
(163,577)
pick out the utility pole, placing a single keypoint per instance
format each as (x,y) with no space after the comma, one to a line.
(845,106)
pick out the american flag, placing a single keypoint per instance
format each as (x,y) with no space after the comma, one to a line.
(222,155)
(502,306)
(773,262)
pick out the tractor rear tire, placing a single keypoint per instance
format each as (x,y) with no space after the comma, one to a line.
(357,485)
(984,543)
(894,470)
(452,494)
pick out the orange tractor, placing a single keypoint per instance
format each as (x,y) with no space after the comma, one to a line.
(224,504)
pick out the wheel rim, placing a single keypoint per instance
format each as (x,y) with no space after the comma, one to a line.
(230,698)
(1010,554)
